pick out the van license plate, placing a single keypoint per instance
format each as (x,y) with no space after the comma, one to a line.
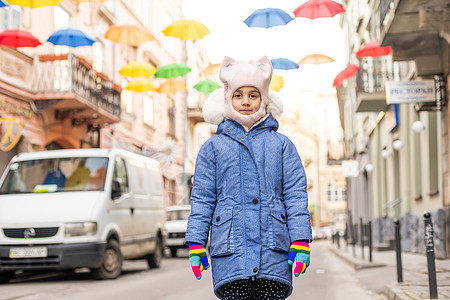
(25,252)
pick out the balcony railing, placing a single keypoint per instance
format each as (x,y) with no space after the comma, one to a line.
(373,75)
(60,74)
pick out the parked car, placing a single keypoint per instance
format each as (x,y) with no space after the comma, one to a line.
(176,225)
(67,209)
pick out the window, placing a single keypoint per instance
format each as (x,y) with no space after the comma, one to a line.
(148,110)
(126,98)
(120,173)
(11,17)
(336,193)
(99,58)
(171,117)
(61,20)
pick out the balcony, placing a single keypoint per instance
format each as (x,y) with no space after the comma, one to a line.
(335,152)
(370,81)
(69,86)
(416,30)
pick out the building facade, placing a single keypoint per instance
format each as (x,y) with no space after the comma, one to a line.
(56,97)
(401,145)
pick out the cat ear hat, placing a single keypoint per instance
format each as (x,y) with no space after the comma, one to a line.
(235,74)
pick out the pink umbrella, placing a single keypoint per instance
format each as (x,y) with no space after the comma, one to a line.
(314,9)
(348,72)
(373,49)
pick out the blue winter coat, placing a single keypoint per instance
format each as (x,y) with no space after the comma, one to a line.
(250,189)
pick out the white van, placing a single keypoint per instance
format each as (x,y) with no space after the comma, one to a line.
(66,209)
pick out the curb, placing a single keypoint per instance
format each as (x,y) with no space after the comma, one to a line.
(357,265)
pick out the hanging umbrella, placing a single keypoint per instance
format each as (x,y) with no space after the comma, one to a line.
(373,49)
(315,59)
(137,69)
(314,9)
(71,37)
(128,34)
(3,3)
(277,83)
(141,85)
(172,70)
(348,72)
(186,30)
(283,64)
(268,17)
(17,38)
(211,69)
(172,86)
(34,3)
(89,1)
(206,86)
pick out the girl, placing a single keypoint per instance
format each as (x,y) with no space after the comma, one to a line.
(250,190)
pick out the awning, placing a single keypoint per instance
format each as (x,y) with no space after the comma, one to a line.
(371,102)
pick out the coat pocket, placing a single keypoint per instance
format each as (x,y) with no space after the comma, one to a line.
(280,240)
(221,243)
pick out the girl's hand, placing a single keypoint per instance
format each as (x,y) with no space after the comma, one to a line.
(198,259)
(299,251)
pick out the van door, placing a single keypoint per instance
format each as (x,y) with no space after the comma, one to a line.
(121,208)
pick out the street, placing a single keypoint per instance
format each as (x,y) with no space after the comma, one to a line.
(328,277)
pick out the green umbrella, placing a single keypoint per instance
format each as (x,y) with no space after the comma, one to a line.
(206,86)
(172,70)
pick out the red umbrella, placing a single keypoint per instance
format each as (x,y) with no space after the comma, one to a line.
(314,9)
(348,72)
(17,38)
(373,49)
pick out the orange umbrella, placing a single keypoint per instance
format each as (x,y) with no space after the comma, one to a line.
(186,30)
(315,59)
(172,86)
(348,72)
(211,69)
(128,34)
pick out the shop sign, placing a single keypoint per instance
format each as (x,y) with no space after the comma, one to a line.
(350,168)
(416,91)
(10,133)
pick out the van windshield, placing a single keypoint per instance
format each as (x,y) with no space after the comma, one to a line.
(56,175)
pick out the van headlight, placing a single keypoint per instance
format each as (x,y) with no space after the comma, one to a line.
(80,229)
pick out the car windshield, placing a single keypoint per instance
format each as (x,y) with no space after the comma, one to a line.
(56,175)
(178,215)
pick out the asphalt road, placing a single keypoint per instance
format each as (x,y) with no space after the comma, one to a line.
(328,277)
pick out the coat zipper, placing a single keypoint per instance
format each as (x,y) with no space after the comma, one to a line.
(243,203)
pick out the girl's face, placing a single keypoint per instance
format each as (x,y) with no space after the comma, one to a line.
(246,100)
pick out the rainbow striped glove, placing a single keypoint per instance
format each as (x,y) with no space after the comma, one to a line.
(198,259)
(299,251)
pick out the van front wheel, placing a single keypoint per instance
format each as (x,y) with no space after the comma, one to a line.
(112,262)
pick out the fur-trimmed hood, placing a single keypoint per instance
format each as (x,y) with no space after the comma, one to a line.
(213,109)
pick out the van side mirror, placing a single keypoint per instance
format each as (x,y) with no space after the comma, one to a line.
(116,189)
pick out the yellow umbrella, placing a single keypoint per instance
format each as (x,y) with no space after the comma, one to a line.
(137,69)
(90,1)
(186,30)
(128,34)
(211,69)
(172,86)
(141,85)
(277,83)
(315,59)
(33,3)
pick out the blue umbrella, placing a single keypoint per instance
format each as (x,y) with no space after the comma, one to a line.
(71,37)
(268,17)
(3,3)
(283,64)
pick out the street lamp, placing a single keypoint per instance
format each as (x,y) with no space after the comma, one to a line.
(368,168)
(385,153)
(397,144)
(418,126)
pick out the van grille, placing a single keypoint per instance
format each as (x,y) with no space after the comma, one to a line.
(40,232)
